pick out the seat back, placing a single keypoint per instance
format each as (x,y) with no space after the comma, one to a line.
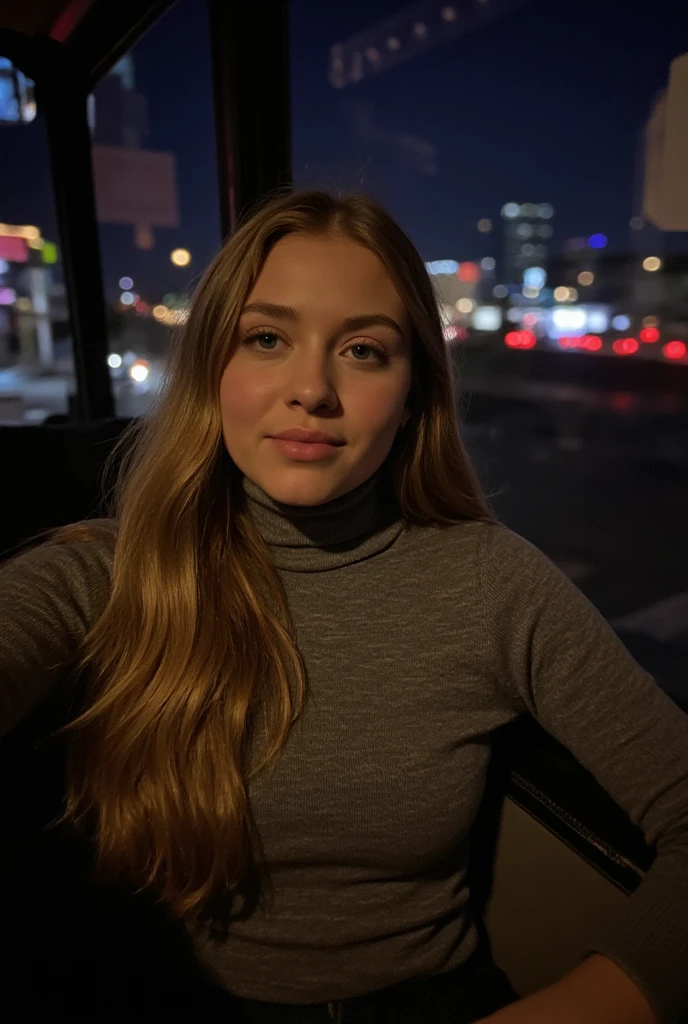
(557,857)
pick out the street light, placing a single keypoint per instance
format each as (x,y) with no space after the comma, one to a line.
(180,257)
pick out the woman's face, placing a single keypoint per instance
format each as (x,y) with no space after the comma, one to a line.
(324,342)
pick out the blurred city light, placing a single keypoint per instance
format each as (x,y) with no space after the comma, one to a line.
(510,210)
(465,305)
(114,361)
(127,299)
(625,346)
(649,335)
(675,350)
(393,43)
(585,278)
(500,291)
(180,257)
(487,318)
(585,342)
(126,284)
(652,263)
(572,295)
(13,231)
(420,30)
(487,263)
(621,322)
(650,321)
(598,320)
(139,370)
(520,339)
(529,292)
(561,294)
(546,211)
(468,272)
(597,241)
(159,312)
(535,277)
(448,13)
(568,319)
(442,267)
(484,225)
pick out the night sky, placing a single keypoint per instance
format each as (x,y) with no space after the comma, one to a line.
(544,104)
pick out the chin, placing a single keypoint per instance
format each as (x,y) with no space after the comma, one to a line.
(305,492)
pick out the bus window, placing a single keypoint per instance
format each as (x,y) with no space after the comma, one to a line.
(535,152)
(155,175)
(36,365)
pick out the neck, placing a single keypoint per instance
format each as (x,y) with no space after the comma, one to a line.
(313,538)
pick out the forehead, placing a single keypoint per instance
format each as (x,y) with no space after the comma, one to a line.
(303,270)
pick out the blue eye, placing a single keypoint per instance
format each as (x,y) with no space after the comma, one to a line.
(256,339)
(260,335)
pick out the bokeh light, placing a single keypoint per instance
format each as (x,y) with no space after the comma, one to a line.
(180,257)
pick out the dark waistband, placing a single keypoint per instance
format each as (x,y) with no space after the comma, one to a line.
(478,982)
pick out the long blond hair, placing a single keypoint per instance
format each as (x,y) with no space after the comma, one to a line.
(196,644)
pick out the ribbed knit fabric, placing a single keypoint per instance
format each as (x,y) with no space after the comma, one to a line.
(418,643)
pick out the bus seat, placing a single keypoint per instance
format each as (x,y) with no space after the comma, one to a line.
(556,857)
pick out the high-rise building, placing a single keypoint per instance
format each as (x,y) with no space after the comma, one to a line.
(527,229)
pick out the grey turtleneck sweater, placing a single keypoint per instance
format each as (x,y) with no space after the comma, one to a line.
(418,643)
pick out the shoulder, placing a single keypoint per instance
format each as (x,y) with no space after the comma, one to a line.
(79,552)
(506,569)
(491,543)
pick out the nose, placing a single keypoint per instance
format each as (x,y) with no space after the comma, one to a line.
(310,382)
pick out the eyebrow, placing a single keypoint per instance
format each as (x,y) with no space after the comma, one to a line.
(352,323)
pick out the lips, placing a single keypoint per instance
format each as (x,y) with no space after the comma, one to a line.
(305,436)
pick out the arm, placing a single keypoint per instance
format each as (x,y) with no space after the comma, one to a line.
(49,598)
(563,664)
(597,991)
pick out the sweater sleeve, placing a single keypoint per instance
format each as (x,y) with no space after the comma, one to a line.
(50,596)
(566,666)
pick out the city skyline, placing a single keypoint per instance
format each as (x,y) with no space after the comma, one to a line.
(444,140)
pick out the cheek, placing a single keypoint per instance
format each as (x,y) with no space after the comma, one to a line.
(242,395)
(378,407)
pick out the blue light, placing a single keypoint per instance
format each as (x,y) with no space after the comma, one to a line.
(534,277)
(597,241)
(442,267)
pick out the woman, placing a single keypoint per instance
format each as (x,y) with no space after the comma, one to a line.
(297,649)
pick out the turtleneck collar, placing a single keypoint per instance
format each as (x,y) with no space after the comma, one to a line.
(315,538)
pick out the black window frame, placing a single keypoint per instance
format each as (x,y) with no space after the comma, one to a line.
(253,141)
